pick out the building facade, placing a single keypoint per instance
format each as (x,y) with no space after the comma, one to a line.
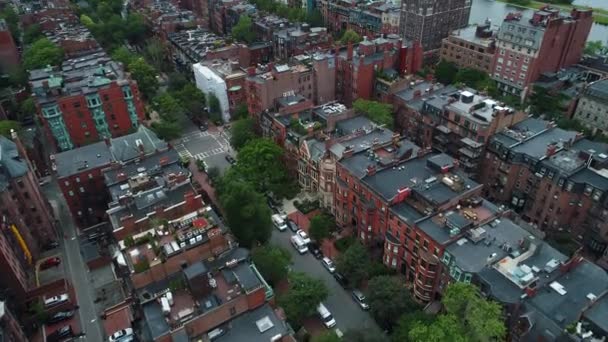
(472,47)
(591,109)
(9,56)
(85,100)
(430,22)
(528,47)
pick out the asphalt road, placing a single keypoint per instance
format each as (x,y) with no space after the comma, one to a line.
(212,145)
(75,266)
(348,315)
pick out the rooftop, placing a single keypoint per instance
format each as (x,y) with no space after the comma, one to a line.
(82,159)
(11,164)
(470,34)
(196,43)
(598,90)
(259,325)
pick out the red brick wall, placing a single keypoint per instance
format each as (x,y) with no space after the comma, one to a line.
(93,196)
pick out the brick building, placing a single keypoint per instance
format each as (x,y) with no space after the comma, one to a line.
(226,80)
(85,100)
(10,329)
(9,56)
(367,19)
(23,204)
(80,172)
(75,40)
(430,22)
(550,176)
(528,47)
(165,18)
(225,14)
(299,40)
(457,122)
(471,47)
(200,8)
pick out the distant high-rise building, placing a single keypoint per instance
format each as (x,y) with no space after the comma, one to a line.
(429,22)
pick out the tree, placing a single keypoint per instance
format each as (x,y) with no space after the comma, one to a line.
(350,36)
(27,109)
(167,130)
(354,263)
(314,18)
(243,30)
(135,27)
(214,108)
(87,21)
(41,53)
(471,77)
(7,125)
(272,261)
(176,81)
(480,318)
(145,75)
(380,113)
(388,299)
(303,297)
(32,33)
(12,21)
(595,48)
(328,336)
(155,54)
(192,99)
(124,56)
(407,322)
(363,335)
(544,103)
(321,227)
(168,107)
(259,162)
(445,328)
(246,210)
(445,72)
(241,133)
(241,111)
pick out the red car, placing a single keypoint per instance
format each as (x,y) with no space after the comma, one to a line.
(50,262)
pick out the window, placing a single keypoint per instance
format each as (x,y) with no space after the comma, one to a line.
(82,189)
(425,244)
(71,193)
(467,278)
(446,258)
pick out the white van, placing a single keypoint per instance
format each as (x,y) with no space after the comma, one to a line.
(326,317)
(299,244)
(279,222)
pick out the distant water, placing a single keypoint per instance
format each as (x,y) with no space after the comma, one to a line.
(496,11)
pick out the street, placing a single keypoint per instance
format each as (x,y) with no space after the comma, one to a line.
(348,315)
(212,145)
(75,266)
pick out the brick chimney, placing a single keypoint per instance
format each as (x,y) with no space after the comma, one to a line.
(348,152)
(371,170)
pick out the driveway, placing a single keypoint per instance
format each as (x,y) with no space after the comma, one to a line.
(348,315)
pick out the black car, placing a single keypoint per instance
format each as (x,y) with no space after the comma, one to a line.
(272,205)
(292,225)
(51,245)
(341,279)
(60,334)
(313,248)
(231,160)
(60,316)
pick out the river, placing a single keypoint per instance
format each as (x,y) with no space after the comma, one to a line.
(496,11)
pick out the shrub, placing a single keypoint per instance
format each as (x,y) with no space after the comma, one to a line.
(342,244)
(141,266)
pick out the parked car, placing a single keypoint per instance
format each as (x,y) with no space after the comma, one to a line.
(60,316)
(215,334)
(315,250)
(326,316)
(51,245)
(304,236)
(60,334)
(56,300)
(203,127)
(341,279)
(359,297)
(279,222)
(328,264)
(299,244)
(122,335)
(230,159)
(292,225)
(50,262)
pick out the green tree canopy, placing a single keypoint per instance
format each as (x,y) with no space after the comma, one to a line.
(303,297)
(259,163)
(168,107)
(445,72)
(7,125)
(321,227)
(241,111)
(241,133)
(350,36)
(41,53)
(123,55)
(272,261)
(27,109)
(445,328)
(176,81)
(363,335)
(328,336)
(389,299)
(243,30)
(314,18)
(595,47)
(155,53)
(406,323)
(145,75)
(380,113)
(472,78)
(32,33)
(167,130)
(246,211)
(354,263)
(12,21)
(544,103)
(192,99)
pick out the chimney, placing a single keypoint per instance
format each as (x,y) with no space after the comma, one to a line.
(371,170)
(348,152)
(107,141)
(251,71)
(551,149)
(417,94)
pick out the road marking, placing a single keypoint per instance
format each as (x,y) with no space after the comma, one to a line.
(93,320)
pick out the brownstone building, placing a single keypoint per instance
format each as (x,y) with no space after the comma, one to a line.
(471,47)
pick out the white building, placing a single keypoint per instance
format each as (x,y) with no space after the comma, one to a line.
(211,83)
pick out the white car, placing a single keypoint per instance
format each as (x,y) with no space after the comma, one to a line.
(302,234)
(122,335)
(327,263)
(56,300)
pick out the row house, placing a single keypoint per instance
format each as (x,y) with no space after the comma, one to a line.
(299,40)
(165,18)
(225,79)
(472,47)
(529,47)
(9,55)
(591,107)
(80,172)
(457,122)
(552,177)
(224,14)
(545,294)
(86,99)
(367,19)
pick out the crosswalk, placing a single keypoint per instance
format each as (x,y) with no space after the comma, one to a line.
(209,153)
(191,138)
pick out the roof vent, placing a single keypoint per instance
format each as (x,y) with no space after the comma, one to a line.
(264,324)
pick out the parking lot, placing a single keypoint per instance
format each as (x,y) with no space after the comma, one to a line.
(211,145)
